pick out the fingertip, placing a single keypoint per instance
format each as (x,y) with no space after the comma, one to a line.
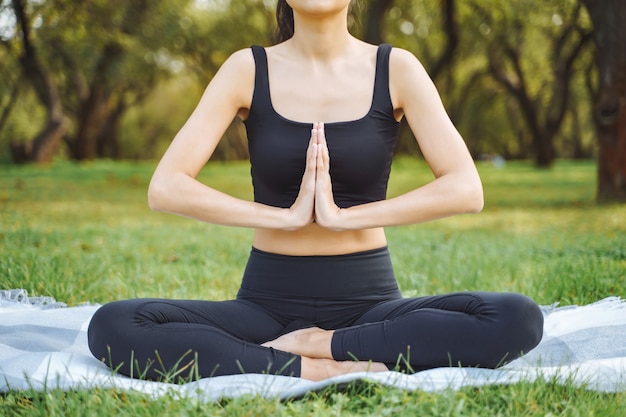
(322,132)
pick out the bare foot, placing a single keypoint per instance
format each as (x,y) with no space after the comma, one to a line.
(319,369)
(311,342)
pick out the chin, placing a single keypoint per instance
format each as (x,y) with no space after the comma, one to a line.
(318,6)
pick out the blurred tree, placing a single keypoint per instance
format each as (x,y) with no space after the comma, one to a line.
(609,21)
(9,85)
(451,30)
(542,107)
(453,39)
(43,147)
(215,35)
(127,74)
(375,14)
(91,62)
(88,61)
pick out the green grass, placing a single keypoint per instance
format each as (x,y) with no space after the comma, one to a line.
(83,232)
(542,398)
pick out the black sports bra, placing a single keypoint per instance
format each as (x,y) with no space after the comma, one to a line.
(360,150)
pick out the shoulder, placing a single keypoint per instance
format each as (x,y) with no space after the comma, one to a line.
(240,62)
(408,78)
(235,78)
(402,62)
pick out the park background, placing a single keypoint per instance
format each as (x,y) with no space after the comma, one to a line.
(93,91)
(521,79)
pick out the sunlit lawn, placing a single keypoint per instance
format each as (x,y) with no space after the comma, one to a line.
(83,232)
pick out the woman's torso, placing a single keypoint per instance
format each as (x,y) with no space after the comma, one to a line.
(341,93)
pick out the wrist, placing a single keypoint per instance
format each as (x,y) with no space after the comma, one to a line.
(336,221)
(292,220)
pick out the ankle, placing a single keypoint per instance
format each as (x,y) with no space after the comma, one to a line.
(317,369)
(320,342)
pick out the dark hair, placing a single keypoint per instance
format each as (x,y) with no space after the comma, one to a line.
(284,19)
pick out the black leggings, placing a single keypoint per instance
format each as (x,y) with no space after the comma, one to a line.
(354,294)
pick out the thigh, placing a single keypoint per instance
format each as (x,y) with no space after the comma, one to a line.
(470,303)
(239,318)
(153,337)
(468,328)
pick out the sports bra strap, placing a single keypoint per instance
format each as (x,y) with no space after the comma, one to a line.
(382,97)
(261,79)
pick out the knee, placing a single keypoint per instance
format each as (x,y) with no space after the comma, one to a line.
(105,328)
(523,323)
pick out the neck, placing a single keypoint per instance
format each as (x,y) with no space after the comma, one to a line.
(321,37)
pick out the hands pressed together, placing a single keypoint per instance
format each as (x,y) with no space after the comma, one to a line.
(315,200)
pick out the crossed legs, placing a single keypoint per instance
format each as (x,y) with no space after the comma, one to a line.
(151,337)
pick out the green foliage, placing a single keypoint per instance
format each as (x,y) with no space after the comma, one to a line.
(108,56)
(484,111)
(175,48)
(147,130)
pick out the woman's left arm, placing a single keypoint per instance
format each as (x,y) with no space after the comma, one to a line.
(456,188)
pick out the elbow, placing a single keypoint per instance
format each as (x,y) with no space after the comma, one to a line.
(477,203)
(157,195)
(475,200)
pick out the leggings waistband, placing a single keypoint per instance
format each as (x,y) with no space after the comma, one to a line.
(326,276)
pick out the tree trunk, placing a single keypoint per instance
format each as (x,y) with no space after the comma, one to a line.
(578,148)
(98,118)
(376,10)
(108,140)
(609,21)
(544,151)
(451,29)
(48,141)
(45,145)
(6,111)
(92,119)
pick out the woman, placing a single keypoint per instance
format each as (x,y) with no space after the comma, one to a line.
(318,296)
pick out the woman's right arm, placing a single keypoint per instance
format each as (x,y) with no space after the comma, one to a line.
(174,187)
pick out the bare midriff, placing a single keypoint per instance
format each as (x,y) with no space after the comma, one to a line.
(315,240)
